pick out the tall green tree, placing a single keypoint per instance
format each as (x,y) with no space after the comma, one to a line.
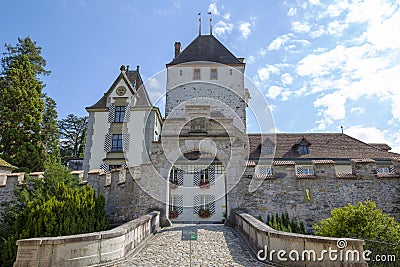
(49,127)
(21,108)
(73,133)
(25,46)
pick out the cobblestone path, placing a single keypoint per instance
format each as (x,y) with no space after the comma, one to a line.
(216,245)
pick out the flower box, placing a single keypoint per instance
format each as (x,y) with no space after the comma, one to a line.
(204,213)
(204,184)
(173,186)
(173,214)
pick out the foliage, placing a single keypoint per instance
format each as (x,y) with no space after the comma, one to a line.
(73,133)
(21,108)
(49,128)
(361,221)
(282,222)
(380,231)
(29,48)
(52,206)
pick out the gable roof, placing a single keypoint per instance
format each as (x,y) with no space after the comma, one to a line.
(206,48)
(135,84)
(322,146)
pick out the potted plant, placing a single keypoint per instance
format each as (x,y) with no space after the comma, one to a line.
(173,184)
(173,214)
(204,213)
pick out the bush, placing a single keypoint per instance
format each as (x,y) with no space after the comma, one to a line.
(54,206)
(282,222)
(364,221)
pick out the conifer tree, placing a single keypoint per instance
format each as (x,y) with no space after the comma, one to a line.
(49,128)
(21,108)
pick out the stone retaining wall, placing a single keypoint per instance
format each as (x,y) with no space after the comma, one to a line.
(259,236)
(87,249)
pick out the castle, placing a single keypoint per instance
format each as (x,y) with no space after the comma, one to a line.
(198,163)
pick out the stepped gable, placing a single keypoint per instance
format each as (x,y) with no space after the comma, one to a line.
(322,146)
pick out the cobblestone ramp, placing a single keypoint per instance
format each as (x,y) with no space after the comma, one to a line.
(216,245)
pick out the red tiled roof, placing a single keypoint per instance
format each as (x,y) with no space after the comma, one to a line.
(323,161)
(305,176)
(363,160)
(283,162)
(345,175)
(323,146)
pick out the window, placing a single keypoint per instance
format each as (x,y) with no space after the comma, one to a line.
(214,75)
(303,149)
(116,143)
(119,113)
(113,167)
(198,125)
(230,71)
(173,203)
(173,176)
(204,202)
(196,74)
(204,176)
(382,170)
(263,170)
(307,170)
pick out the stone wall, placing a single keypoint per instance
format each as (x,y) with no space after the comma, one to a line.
(8,183)
(87,249)
(311,198)
(281,247)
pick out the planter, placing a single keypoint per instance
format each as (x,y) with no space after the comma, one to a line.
(204,213)
(173,214)
(204,184)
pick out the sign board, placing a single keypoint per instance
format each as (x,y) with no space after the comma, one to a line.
(189,233)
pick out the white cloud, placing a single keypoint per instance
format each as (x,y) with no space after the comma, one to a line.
(264,73)
(336,28)
(227,16)
(287,79)
(366,134)
(330,107)
(292,11)
(314,2)
(301,27)
(384,35)
(274,91)
(244,29)
(357,110)
(223,28)
(369,11)
(213,9)
(279,41)
(336,9)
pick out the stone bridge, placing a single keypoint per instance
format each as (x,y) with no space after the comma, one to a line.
(141,242)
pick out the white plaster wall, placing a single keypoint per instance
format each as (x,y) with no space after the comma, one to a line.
(113,93)
(100,126)
(234,81)
(343,169)
(136,128)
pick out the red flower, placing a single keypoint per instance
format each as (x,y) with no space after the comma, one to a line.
(204,213)
(173,214)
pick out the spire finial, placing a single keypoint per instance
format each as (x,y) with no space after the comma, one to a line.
(209,12)
(199,14)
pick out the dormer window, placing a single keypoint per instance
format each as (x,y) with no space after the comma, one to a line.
(303,147)
(267,148)
(196,74)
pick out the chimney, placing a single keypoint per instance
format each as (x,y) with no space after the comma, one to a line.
(178,49)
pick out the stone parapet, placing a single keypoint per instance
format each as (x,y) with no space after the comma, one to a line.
(324,168)
(88,249)
(267,243)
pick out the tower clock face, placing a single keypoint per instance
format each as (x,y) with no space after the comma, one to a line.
(121,90)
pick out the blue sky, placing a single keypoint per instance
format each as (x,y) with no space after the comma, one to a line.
(319,64)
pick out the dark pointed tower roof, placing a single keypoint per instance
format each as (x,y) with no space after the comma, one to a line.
(206,48)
